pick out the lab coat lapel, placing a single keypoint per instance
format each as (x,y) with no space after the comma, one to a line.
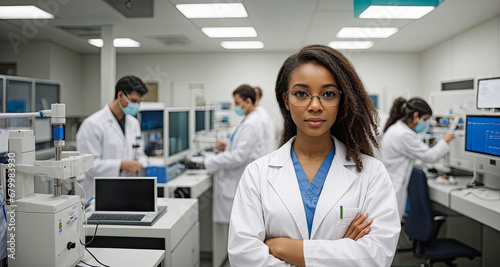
(113,123)
(338,181)
(284,183)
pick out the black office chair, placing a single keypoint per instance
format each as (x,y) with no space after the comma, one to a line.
(422,226)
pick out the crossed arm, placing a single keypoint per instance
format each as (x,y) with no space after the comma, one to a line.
(291,250)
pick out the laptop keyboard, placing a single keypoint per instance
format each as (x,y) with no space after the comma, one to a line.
(116,217)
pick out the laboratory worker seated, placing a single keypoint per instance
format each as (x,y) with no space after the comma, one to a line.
(401,146)
(299,205)
(245,145)
(113,135)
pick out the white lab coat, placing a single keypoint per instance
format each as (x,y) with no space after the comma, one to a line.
(247,145)
(268,204)
(400,148)
(268,128)
(101,135)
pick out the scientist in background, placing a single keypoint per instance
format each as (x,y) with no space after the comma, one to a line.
(245,145)
(267,123)
(401,146)
(113,134)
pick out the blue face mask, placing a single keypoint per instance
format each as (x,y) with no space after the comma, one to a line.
(239,111)
(422,127)
(131,108)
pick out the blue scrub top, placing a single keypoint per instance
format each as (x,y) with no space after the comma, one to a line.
(311,191)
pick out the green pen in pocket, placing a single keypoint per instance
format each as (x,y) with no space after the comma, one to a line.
(341,212)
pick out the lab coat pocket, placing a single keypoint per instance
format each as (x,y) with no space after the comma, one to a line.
(344,219)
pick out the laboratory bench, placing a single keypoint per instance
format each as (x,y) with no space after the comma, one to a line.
(470,219)
(176,232)
(124,257)
(198,184)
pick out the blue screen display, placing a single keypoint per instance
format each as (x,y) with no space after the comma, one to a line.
(483,135)
(151,120)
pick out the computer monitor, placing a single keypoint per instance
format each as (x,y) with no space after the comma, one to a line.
(200,119)
(18,93)
(178,131)
(211,119)
(488,93)
(151,120)
(46,93)
(1,94)
(482,135)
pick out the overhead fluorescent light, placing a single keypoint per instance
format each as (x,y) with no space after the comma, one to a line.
(125,42)
(217,10)
(242,45)
(117,42)
(366,32)
(96,42)
(227,32)
(23,12)
(390,9)
(395,12)
(351,44)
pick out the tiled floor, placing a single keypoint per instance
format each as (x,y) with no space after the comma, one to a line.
(208,263)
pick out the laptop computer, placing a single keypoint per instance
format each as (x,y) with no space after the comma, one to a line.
(125,200)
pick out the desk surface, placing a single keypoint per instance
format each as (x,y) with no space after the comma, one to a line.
(466,202)
(124,257)
(181,214)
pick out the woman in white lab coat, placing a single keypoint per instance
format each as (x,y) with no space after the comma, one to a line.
(295,205)
(245,145)
(401,145)
(112,135)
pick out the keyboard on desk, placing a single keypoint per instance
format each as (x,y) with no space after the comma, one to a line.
(116,217)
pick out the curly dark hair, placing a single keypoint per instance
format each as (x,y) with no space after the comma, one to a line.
(357,118)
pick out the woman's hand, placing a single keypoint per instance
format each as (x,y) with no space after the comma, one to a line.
(359,227)
(287,249)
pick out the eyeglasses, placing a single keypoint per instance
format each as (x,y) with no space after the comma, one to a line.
(303,98)
(130,100)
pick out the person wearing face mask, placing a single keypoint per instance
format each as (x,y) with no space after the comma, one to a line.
(113,134)
(244,146)
(401,146)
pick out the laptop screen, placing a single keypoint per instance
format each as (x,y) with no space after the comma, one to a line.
(125,194)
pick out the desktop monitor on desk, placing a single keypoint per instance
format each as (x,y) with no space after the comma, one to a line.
(178,135)
(488,93)
(482,137)
(200,120)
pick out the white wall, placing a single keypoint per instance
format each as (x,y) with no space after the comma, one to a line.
(389,75)
(472,54)
(45,60)
(33,58)
(90,84)
(66,66)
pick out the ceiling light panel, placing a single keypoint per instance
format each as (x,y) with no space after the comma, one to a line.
(125,42)
(351,44)
(96,42)
(228,32)
(395,12)
(23,12)
(242,45)
(366,32)
(218,10)
(117,42)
